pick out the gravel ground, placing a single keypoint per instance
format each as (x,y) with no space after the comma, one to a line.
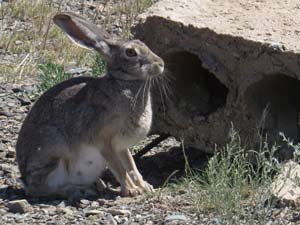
(104,207)
(101,206)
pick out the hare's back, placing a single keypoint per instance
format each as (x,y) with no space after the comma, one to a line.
(42,134)
(52,103)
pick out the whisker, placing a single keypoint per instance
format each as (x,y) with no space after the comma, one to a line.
(165,89)
(134,101)
(168,88)
(167,74)
(161,95)
(145,87)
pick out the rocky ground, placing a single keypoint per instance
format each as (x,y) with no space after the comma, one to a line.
(104,207)
(165,162)
(101,207)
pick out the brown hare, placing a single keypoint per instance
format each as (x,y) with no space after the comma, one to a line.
(81,126)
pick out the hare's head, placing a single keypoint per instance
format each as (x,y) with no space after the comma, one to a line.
(126,60)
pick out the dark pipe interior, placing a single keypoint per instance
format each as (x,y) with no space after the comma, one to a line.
(196,91)
(279,96)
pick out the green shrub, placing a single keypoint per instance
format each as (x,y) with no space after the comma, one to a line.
(235,187)
(99,66)
(50,74)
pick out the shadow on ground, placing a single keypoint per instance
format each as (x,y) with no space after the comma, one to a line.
(171,165)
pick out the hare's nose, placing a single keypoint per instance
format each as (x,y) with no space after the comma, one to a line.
(161,64)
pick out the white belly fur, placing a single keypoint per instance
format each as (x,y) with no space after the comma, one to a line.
(82,171)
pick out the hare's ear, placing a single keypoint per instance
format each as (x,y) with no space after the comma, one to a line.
(85,34)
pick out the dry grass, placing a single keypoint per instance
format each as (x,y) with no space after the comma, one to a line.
(231,189)
(31,38)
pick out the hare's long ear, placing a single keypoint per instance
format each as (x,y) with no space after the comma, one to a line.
(85,34)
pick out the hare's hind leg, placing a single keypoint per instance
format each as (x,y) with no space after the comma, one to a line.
(52,180)
(39,181)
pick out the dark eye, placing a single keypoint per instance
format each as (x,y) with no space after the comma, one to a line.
(130,52)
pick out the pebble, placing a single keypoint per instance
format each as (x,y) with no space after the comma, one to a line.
(25,88)
(18,42)
(62,204)
(110,220)
(102,201)
(10,154)
(24,101)
(5,113)
(93,212)
(3,212)
(84,201)
(95,204)
(64,211)
(78,70)
(177,217)
(19,206)
(1,147)
(115,212)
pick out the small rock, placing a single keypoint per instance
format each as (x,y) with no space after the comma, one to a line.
(10,154)
(62,204)
(93,212)
(285,187)
(17,89)
(115,212)
(78,70)
(24,101)
(5,113)
(25,88)
(270,222)
(110,220)
(102,201)
(176,217)
(18,206)
(94,204)
(64,211)
(18,42)
(3,212)
(84,201)
(216,221)
(1,147)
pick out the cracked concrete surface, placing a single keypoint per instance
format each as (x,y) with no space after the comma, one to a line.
(231,62)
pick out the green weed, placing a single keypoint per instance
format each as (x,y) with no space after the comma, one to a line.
(50,74)
(236,185)
(98,66)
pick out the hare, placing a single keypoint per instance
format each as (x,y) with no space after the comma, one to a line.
(81,126)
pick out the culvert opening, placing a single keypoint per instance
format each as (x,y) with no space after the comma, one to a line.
(196,91)
(278,98)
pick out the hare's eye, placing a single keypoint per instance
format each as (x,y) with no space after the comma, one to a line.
(130,52)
